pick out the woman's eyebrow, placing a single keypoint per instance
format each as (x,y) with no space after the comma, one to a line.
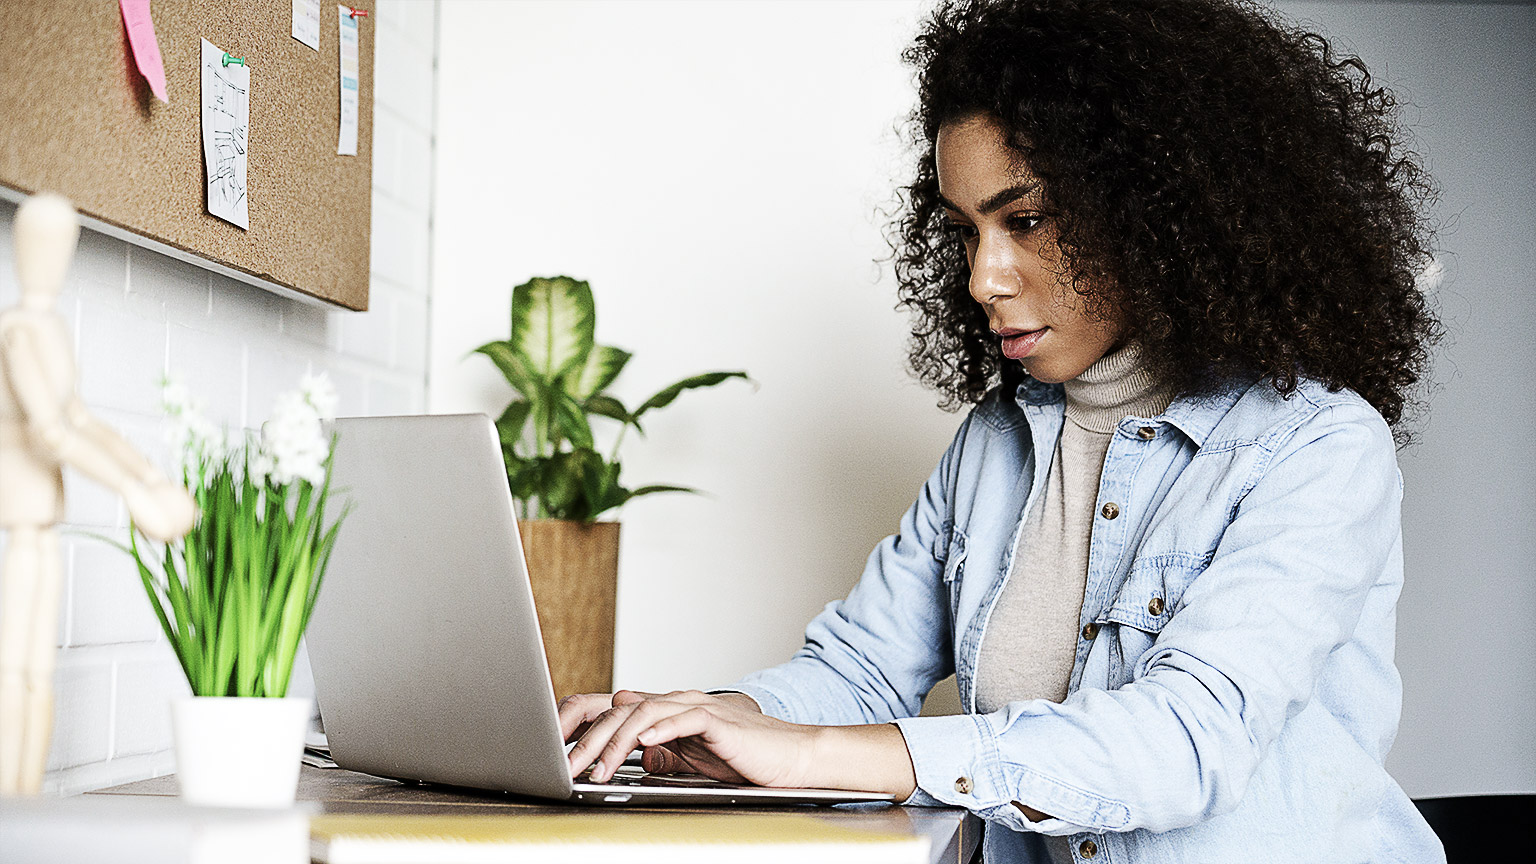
(998,200)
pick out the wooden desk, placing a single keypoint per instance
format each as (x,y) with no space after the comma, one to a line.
(953,834)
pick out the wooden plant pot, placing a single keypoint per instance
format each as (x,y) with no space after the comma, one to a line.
(574,569)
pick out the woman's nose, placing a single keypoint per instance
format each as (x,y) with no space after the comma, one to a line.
(993,276)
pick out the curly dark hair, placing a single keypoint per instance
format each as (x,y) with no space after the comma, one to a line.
(1238,192)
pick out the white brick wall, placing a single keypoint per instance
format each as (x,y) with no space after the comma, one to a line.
(137,314)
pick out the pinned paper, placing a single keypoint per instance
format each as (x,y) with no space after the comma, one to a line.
(146,48)
(346,141)
(306,22)
(226,128)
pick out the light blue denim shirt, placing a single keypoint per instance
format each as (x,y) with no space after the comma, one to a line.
(1233,693)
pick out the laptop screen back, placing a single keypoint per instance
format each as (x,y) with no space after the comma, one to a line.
(426,650)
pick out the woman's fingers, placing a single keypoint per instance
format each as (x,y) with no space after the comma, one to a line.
(686,730)
(594,741)
(577,712)
(629,697)
(661,760)
(642,716)
(692,722)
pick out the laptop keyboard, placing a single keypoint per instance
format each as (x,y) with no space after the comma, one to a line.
(633,775)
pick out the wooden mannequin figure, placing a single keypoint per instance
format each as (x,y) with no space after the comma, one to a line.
(44,426)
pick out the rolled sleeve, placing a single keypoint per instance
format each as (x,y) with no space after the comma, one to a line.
(958,764)
(955,759)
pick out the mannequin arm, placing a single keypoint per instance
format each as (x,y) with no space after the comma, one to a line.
(75,438)
(50,426)
(111,443)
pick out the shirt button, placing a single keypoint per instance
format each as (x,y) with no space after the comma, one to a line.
(1146,433)
(1088,849)
(1090,630)
(963,785)
(1155,607)
(1110,510)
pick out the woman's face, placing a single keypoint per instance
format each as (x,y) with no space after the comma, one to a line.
(1016,275)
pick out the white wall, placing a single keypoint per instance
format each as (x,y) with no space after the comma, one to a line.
(135,315)
(713,170)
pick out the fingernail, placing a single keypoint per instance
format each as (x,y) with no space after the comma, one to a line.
(597,773)
(647,737)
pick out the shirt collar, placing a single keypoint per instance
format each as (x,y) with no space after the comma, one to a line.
(1195,416)
(1032,392)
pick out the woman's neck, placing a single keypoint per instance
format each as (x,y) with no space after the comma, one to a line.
(1116,386)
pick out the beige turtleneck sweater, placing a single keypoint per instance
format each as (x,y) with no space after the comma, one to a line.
(1031,637)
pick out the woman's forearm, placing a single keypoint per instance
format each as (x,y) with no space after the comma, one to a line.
(873,759)
(870,758)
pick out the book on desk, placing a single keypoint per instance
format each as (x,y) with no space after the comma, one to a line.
(634,837)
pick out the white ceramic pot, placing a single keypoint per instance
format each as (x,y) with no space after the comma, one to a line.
(234,751)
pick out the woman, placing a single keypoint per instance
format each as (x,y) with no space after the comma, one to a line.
(1168,247)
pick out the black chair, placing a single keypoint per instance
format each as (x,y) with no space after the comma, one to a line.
(1472,827)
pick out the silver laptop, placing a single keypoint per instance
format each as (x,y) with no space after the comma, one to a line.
(426,651)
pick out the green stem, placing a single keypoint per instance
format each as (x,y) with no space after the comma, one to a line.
(614,456)
(540,429)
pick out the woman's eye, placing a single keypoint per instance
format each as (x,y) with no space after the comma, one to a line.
(1023,223)
(960,229)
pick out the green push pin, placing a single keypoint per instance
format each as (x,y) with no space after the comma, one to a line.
(230,58)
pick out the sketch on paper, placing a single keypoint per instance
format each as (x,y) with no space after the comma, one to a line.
(226,124)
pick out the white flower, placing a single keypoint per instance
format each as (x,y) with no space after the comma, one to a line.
(320,393)
(293,442)
(260,468)
(189,432)
(174,397)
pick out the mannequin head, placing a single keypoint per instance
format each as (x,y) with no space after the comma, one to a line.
(45,234)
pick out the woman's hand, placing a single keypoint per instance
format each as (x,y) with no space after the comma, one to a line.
(687,731)
(726,737)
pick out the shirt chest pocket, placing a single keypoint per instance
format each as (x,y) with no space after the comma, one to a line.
(1137,613)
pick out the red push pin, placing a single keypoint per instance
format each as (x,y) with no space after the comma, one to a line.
(357,12)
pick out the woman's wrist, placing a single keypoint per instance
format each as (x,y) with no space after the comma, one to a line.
(737,699)
(870,758)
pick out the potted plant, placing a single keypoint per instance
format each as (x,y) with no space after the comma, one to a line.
(234,596)
(561,481)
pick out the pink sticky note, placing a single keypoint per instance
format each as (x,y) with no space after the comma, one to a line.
(146,48)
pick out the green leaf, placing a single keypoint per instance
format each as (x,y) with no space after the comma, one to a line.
(560,485)
(513,366)
(571,420)
(603,365)
(651,490)
(664,397)
(600,483)
(154,600)
(523,475)
(607,406)
(509,426)
(553,321)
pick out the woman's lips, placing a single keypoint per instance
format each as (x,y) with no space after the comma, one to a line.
(1018,343)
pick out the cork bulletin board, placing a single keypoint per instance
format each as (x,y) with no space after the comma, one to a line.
(77,118)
